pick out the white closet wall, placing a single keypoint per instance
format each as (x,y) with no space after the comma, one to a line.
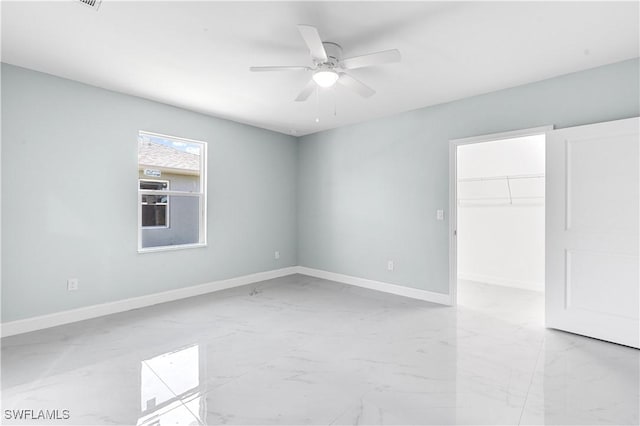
(501,212)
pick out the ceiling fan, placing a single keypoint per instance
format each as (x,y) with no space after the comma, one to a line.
(329,66)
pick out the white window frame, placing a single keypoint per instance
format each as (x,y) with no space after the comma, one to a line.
(201,195)
(167,212)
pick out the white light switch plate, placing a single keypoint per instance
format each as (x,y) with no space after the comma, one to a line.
(72,284)
(440,214)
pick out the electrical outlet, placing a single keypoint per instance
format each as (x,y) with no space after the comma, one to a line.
(276,255)
(72,284)
(439,214)
(390,265)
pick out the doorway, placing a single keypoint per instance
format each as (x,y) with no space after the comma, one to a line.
(497,195)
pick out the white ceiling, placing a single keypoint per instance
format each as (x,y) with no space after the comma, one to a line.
(196,55)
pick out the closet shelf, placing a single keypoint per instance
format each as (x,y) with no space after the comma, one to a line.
(501,190)
(509,177)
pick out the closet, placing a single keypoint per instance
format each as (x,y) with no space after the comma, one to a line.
(500,203)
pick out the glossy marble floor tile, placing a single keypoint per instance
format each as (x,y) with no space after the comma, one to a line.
(300,350)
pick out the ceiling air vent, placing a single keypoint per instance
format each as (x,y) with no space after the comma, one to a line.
(94,4)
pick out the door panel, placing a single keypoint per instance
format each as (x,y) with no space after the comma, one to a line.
(586,270)
(602,194)
(592,230)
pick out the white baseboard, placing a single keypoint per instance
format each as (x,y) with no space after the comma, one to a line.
(505,282)
(65,317)
(414,293)
(94,311)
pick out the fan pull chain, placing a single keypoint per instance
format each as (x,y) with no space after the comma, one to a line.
(317,105)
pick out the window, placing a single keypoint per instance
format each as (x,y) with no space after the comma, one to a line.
(155,208)
(171,192)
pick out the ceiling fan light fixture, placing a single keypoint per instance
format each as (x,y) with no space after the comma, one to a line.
(325,78)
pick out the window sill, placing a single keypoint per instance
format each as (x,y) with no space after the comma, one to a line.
(171,248)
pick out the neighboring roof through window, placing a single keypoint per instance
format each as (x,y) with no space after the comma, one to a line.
(168,154)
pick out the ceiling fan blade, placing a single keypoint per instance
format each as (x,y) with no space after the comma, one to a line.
(307,91)
(356,85)
(262,69)
(378,58)
(313,41)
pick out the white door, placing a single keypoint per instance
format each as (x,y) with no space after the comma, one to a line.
(592,226)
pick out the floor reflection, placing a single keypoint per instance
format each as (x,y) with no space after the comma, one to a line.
(584,381)
(181,374)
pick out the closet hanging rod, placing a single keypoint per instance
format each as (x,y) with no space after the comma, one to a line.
(530,197)
(534,176)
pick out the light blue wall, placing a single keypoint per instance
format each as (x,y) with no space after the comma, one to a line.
(368,193)
(345,200)
(69,199)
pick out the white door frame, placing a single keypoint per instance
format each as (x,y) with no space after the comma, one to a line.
(453,194)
